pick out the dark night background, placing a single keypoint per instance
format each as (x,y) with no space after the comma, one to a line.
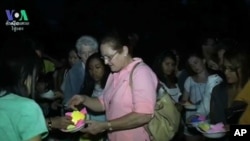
(159,23)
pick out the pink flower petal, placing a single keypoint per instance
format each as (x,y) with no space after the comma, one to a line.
(219,127)
(79,123)
(68,114)
(84,111)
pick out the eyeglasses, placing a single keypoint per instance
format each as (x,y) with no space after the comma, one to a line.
(109,58)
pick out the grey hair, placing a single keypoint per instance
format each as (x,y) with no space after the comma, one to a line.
(86,41)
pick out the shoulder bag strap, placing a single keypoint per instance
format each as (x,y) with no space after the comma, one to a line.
(131,75)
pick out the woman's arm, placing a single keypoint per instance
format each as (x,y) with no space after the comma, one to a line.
(218,104)
(130,121)
(143,84)
(185,95)
(58,122)
(92,103)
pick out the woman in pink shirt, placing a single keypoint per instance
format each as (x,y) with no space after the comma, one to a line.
(127,110)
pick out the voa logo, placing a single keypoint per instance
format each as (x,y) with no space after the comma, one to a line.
(16,19)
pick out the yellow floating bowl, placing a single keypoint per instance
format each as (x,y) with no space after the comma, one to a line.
(76,116)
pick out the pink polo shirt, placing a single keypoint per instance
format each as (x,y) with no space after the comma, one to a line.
(119,101)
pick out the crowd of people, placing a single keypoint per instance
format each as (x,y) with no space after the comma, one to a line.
(37,90)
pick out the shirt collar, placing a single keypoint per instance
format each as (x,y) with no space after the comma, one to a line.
(129,67)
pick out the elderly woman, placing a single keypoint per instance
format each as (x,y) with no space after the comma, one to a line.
(127,110)
(73,83)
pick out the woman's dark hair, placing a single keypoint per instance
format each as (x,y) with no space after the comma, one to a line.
(208,36)
(89,82)
(72,49)
(197,54)
(120,38)
(239,59)
(17,61)
(69,50)
(157,67)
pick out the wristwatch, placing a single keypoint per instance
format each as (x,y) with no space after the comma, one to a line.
(109,127)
